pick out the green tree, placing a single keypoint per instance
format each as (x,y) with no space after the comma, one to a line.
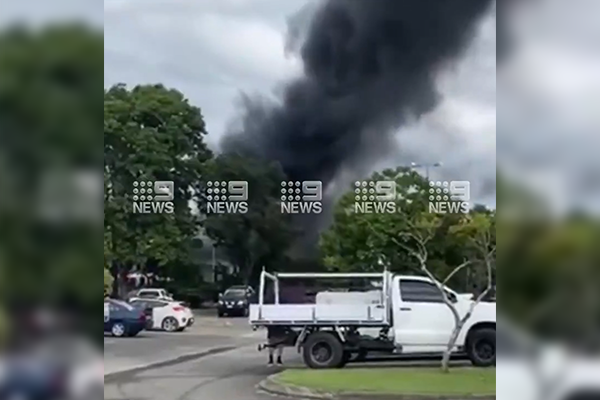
(262,236)
(151,133)
(550,266)
(475,235)
(552,270)
(358,241)
(50,131)
(4,328)
(414,240)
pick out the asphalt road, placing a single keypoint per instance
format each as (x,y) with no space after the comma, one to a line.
(231,375)
(227,374)
(152,347)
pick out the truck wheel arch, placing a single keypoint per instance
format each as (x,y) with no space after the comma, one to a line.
(306,332)
(478,326)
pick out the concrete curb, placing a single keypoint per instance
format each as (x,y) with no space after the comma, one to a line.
(130,371)
(272,387)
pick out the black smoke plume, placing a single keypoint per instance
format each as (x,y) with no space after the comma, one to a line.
(369,65)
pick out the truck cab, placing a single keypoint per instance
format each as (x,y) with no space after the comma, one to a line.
(423,323)
(405,315)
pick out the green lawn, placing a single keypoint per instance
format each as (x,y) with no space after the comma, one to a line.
(424,381)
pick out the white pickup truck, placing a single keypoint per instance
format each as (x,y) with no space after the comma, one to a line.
(410,317)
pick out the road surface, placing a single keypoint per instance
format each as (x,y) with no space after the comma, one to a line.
(226,375)
(152,347)
(231,375)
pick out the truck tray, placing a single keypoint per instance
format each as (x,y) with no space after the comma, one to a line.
(318,314)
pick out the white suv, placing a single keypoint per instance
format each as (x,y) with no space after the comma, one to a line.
(159,294)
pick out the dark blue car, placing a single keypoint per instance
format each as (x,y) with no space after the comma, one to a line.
(121,319)
(33,378)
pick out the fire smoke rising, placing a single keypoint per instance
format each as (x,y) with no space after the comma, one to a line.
(369,66)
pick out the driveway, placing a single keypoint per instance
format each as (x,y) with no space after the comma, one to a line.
(207,334)
(225,374)
(230,375)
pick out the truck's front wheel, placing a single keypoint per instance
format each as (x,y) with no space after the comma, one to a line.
(481,347)
(323,350)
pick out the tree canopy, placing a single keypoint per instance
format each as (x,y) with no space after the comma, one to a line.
(359,241)
(260,237)
(49,149)
(151,134)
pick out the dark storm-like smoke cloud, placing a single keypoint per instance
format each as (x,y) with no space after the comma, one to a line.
(504,41)
(369,65)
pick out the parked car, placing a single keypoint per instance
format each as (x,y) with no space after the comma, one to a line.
(188,310)
(122,319)
(78,360)
(26,377)
(527,367)
(87,380)
(248,289)
(251,295)
(234,302)
(160,294)
(169,316)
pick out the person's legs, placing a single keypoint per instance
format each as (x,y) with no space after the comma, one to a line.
(271,353)
(279,354)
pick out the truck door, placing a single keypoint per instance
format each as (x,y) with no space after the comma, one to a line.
(422,322)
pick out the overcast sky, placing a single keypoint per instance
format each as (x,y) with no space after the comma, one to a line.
(547,106)
(213,50)
(549,102)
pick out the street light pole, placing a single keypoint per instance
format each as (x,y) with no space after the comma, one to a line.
(426,166)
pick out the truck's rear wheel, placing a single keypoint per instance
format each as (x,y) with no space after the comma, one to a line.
(323,350)
(481,347)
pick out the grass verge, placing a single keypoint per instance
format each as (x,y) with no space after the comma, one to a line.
(415,381)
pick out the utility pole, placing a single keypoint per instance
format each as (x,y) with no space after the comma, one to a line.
(426,166)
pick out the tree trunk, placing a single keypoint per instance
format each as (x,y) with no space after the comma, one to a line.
(451,343)
(248,274)
(115,269)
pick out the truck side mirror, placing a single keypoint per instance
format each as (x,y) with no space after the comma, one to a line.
(451,297)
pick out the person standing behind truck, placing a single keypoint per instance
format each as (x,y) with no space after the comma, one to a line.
(276,337)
